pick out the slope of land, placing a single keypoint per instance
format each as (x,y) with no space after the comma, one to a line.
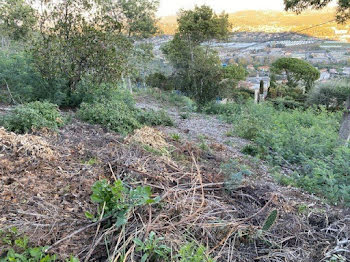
(46,181)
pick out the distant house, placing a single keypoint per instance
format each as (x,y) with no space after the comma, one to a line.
(264,68)
(250,67)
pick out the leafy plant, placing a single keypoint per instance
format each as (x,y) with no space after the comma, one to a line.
(152,249)
(34,115)
(20,249)
(117,200)
(114,115)
(270,220)
(155,118)
(176,137)
(307,140)
(250,150)
(190,252)
(234,174)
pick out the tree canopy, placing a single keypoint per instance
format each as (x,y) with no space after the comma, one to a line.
(343,11)
(198,69)
(202,24)
(77,39)
(296,70)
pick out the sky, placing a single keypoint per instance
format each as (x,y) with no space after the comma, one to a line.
(170,7)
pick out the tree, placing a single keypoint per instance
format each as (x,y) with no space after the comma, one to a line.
(343,11)
(93,39)
(202,24)
(18,19)
(297,70)
(198,69)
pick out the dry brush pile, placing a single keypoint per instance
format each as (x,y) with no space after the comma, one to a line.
(46,199)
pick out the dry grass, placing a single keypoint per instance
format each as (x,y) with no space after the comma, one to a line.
(47,200)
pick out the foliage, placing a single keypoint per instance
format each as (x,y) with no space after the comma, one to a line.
(296,70)
(306,141)
(250,150)
(270,220)
(174,98)
(159,80)
(34,115)
(214,108)
(155,118)
(115,115)
(20,249)
(343,11)
(190,252)
(176,137)
(18,19)
(198,69)
(234,174)
(232,74)
(152,248)
(202,24)
(77,39)
(19,75)
(117,200)
(332,94)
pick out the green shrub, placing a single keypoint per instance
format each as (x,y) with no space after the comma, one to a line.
(152,249)
(19,249)
(227,109)
(193,253)
(155,118)
(117,200)
(250,150)
(234,174)
(160,81)
(114,115)
(17,71)
(332,94)
(305,139)
(34,115)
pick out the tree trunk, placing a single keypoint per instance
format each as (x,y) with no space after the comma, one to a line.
(344,132)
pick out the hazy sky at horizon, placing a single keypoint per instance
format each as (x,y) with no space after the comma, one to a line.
(171,7)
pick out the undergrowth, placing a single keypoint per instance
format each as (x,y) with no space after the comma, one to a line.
(305,141)
(33,116)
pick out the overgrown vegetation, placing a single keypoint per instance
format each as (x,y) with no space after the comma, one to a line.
(19,249)
(116,111)
(33,116)
(305,141)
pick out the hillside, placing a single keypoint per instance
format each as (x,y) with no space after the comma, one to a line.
(275,21)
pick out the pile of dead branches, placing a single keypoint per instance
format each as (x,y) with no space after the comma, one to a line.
(196,205)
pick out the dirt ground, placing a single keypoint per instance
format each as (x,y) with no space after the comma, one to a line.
(46,179)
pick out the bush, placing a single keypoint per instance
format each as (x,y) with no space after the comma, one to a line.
(18,73)
(160,81)
(215,108)
(332,94)
(155,118)
(34,115)
(306,140)
(190,252)
(114,115)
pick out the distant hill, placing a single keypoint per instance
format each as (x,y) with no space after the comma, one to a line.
(276,21)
